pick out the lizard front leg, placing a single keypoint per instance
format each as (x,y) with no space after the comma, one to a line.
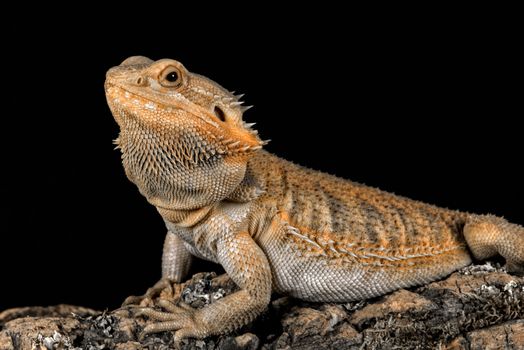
(249,268)
(176,261)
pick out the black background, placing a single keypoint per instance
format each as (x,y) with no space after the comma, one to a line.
(426,108)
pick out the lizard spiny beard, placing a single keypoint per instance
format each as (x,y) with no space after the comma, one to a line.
(178,166)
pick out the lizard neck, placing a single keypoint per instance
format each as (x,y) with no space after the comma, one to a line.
(185,218)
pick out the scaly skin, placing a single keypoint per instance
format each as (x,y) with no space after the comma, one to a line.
(272,225)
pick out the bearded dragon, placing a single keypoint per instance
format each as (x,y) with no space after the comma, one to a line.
(273,225)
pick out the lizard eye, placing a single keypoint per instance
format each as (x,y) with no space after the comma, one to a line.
(170,77)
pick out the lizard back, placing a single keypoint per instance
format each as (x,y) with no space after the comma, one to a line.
(336,217)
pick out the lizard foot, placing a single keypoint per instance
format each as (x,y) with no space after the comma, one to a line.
(183,319)
(164,288)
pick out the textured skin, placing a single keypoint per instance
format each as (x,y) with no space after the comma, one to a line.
(272,225)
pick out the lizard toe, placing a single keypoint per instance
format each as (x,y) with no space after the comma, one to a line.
(137,300)
(156,315)
(162,287)
(174,309)
(184,324)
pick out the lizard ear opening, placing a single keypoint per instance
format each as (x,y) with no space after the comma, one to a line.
(220,114)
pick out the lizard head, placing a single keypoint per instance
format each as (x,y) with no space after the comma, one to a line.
(182,137)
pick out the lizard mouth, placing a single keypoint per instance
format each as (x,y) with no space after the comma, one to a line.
(129,99)
(121,96)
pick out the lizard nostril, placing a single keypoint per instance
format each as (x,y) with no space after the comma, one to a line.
(140,81)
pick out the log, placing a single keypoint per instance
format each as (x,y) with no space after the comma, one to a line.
(478,307)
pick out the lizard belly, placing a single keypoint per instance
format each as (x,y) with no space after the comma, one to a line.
(312,276)
(318,279)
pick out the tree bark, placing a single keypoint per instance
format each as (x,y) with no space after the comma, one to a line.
(479,307)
